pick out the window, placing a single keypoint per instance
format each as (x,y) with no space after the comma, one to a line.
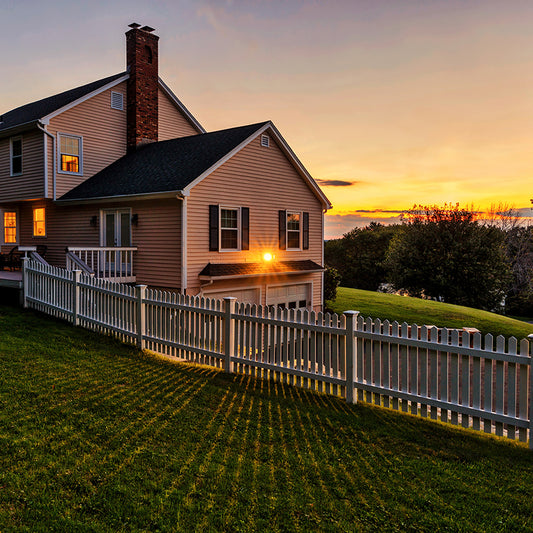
(9,220)
(39,227)
(228,228)
(16,156)
(70,150)
(293,230)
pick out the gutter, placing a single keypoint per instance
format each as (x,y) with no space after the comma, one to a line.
(42,127)
(183,197)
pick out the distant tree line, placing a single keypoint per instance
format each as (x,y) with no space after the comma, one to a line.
(444,253)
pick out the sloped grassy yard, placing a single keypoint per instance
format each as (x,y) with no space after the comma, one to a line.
(417,311)
(95,436)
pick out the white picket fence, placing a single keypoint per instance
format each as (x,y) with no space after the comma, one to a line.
(447,374)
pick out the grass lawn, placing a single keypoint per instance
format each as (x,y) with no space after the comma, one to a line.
(417,311)
(96,436)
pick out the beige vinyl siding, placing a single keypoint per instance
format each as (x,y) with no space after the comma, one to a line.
(263,180)
(30,184)
(172,123)
(157,235)
(103,132)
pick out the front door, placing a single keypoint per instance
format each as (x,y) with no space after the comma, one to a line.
(116,233)
(116,228)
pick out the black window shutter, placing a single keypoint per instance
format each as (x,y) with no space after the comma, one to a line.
(306,232)
(283,230)
(213,228)
(245,228)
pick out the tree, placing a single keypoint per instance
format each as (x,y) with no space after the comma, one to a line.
(359,255)
(331,282)
(444,253)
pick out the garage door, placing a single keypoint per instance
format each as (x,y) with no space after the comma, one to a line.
(251,296)
(291,296)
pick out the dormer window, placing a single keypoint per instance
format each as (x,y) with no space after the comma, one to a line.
(16,156)
(70,154)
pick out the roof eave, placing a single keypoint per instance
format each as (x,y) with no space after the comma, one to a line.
(260,274)
(121,198)
(19,128)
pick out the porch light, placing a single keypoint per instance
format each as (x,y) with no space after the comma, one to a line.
(135,219)
(93,221)
(268,256)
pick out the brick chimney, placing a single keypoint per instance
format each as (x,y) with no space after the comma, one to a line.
(142,86)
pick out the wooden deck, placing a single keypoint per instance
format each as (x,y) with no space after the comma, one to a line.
(11,279)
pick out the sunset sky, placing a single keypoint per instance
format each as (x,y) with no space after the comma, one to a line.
(386,102)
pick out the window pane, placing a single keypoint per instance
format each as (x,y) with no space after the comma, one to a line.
(293,221)
(228,218)
(70,145)
(39,222)
(124,229)
(110,229)
(16,165)
(70,163)
(16,147)
(293,239)
(229,239)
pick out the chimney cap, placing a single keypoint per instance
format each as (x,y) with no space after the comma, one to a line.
(148,29)
(134,25)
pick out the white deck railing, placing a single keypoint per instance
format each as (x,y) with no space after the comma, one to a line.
(113,264)
(455,376)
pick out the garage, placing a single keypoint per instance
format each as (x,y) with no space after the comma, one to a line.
(290,296)
(251,296)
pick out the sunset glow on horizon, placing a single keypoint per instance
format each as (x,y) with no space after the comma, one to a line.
(387,104)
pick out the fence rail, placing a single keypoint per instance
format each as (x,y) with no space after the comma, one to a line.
(455,376)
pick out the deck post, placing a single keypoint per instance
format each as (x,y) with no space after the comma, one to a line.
(76,276)
(351,317)
(229,332)
(141,293)
(24,292)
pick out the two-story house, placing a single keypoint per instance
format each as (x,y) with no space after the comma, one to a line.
(118,178)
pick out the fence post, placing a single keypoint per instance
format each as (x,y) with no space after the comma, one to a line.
(76,294)
(530,340)
(141,292)
(229,332)
(25,278)
(351,317)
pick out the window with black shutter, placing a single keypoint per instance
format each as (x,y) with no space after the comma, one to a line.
(305,235)
(282,230)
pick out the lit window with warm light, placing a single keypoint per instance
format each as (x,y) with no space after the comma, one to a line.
(10,227)
(39,226)
(70,150)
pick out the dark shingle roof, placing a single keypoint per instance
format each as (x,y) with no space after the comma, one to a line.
(36,110)
(164,166)
(216,270)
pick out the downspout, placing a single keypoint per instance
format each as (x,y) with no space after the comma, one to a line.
(42,127)
(183,197)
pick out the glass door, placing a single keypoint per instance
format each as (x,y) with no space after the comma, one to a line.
(116,233)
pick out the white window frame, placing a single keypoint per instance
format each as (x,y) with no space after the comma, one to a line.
(17,138)
(17,218)
(33,223)
(59,153)
(238,229)
(300,230)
